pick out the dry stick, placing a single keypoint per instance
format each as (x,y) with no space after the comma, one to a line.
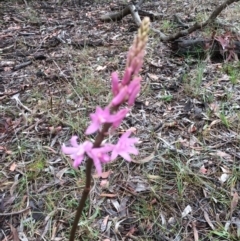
(116,16)
(135,15)
(15,213)
(87,188)
(196,26)
(131,8)
(83,198)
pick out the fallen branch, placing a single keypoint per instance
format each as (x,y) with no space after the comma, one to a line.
(134,8)
(131,8)
(135,14)
(116,16)
(196,26)
(22,65)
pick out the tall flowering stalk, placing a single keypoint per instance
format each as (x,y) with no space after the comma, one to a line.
(124,91)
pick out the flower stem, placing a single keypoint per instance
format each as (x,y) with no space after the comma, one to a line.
(87,188)
(83,199)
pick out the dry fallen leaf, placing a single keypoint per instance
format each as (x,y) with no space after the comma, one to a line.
(14,233)
(214,107)
(153,76)
(192,129)
(153,177)
(108,195)
(234,201)
(225,169)
(223,154)
(224,177)
(60,173)
(13,167)
(104,174)
(186,211)
(141,187)
(195,232)
(145,159)
(131,231)
(154,201)
(116,204)
(104,184)
(99,68)
(104,223)
(203,170)
(206,216)
(4,149)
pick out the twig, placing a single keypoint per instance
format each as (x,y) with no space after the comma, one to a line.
(14,213)
(135,14)
(20,66)
(178,20)
(131,8)
(116,16)
(26,3)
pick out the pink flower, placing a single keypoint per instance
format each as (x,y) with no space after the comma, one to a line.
(127,76)
(121,96)
(100,155)
(135,59)
(100,117)
(137,62)
(77,151)
(115,83)
(133,90)
(104,116)
(119,117)
(124,147)
(129,92)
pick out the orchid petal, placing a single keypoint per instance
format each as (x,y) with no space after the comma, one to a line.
(115,80)
(127,76)
(73,141)
(125,146)
(68,150)
(120,97)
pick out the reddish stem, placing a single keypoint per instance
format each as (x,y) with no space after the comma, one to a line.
(87,188)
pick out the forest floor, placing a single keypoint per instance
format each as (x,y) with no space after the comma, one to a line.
(55,67)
